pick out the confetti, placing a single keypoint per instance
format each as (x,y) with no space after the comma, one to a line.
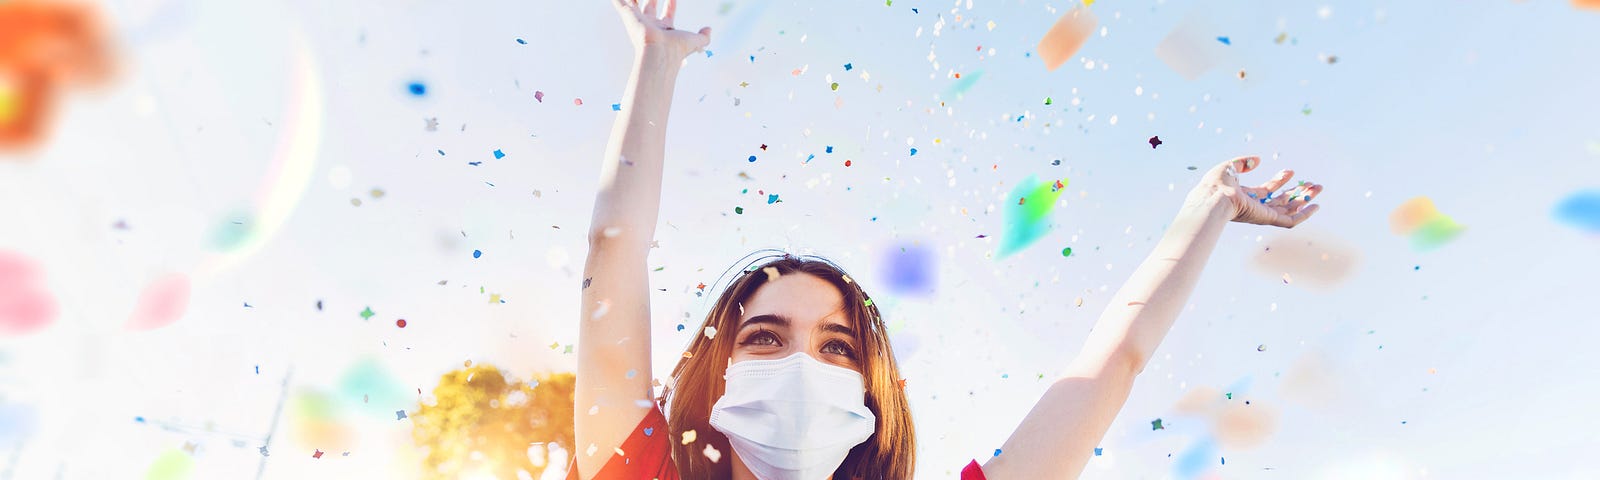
(1422,222)
(172,464)
(1156,425)
(1155,141)
(1027,219)
(1185,49)
(711,332)
(367,314)
(499,154)
(1066,252)
(522,42)
(317,455)
(1064,38)
(1225,40)
(1316,261)
(712,453)
(25,305)
(689,436)
(538,95)
(961,85)
(399,414)
(909,269)
(1581,209)
(400,323)
(417,89)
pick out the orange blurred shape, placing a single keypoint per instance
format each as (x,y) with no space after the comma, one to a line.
(1200,401)
(1315,261)
(1244,426)
(1587,4)
(1065,37)
(1411,215)
(45,46)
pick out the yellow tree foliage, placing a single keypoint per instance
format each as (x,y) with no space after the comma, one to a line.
(483,422)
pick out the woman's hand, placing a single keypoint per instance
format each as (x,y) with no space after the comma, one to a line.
(652,33)
(1262,205)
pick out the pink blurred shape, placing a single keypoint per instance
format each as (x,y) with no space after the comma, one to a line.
(25,306)
(163,301)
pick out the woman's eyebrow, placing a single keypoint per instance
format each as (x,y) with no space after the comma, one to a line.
(838,328)
(767,318)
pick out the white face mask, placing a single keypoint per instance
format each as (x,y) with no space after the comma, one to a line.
(793,418)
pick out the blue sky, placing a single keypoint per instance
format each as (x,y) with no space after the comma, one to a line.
(1485,107)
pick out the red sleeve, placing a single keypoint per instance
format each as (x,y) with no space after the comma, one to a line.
(646,453)
(972,472)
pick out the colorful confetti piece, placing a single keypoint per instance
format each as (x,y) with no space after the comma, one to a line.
(1027,217)
(1064,38)
(1426,227)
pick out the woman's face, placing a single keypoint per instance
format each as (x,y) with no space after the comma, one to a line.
(795,313)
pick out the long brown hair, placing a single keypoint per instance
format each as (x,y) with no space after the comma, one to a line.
(697,381)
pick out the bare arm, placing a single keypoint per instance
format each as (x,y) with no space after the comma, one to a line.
(614,327)
(1058,436)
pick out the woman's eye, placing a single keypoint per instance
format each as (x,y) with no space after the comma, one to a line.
(838,348)
(760,338)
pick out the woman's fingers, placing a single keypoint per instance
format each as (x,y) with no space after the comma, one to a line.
(1296,218)
(650,8)
(1278,181)
(1303,196)
(626,7)
(672,9)
(1244,164)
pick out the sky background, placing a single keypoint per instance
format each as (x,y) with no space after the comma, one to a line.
(1470,360)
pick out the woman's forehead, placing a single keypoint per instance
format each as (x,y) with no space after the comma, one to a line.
(801,297)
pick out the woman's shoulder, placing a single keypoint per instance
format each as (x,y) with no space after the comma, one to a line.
(645,454)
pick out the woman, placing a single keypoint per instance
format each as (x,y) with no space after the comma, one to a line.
(797,380)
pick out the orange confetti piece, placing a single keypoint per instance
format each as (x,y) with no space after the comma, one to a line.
(1065,37)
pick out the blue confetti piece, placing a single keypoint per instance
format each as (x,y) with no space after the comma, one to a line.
(474,163)
(1225,40)
(772,198)
(477,253)
(258,369)
(1580,209)
(913,152)
(631,373)
(441,153)
(847,67)
(680,327)
(830,149)
(138,419)
(417,89)
(616,107)
(708,54)
(499,154)
(521,41)
(752,59)
(752,159)
(399,414)
(1097,451)
(810,156)
(996,452)
(648,431)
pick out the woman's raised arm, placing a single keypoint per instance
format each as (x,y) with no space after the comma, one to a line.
(1057,437)
(614,327)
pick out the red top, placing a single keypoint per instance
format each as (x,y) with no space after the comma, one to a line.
(647,455)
